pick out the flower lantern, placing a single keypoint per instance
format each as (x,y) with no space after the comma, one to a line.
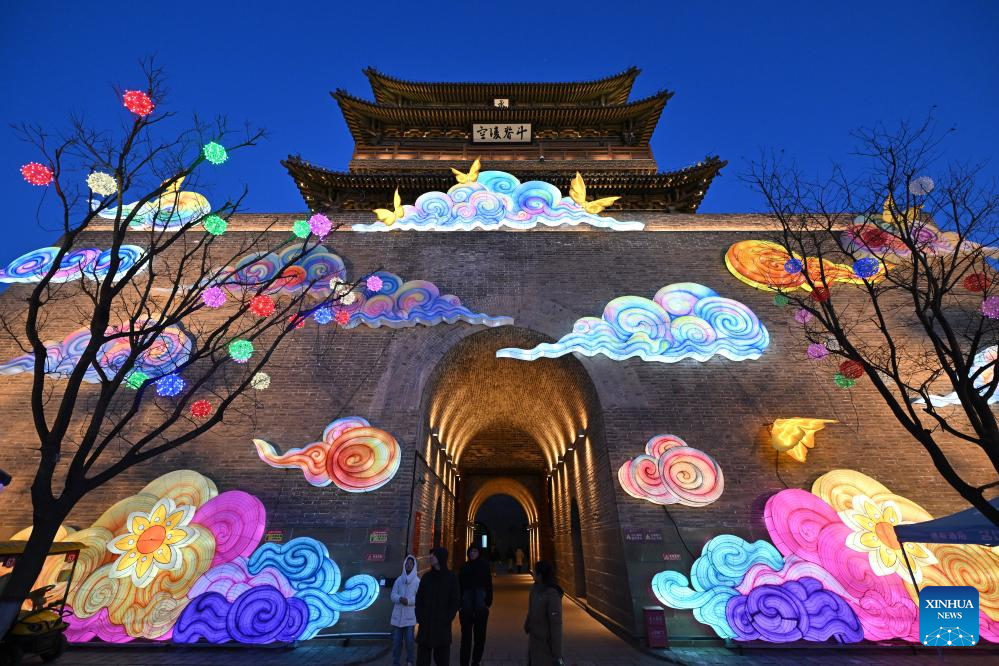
(844,382)
(803,316)
(136,379)
(215,225)
(201,409)
(37,174)
(323,315)
(374,283)
(241,350)
(102,183)
(342,317)
(817,351)
(301,228)
(820,294)
(297,321)
(170,386)
(213,297)
(260,381)
(977,282)
(793,266)
(780,300)
(851,369)
(990,307)
(138,103)
(262,305)
(214,153)
(867,267)
(320,225)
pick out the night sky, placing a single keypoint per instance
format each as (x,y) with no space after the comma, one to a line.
(789,75)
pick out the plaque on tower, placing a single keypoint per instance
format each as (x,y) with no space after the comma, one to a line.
(501,132)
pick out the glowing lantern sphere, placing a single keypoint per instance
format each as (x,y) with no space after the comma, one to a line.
(867,267)
(241,350)
(296,321)
(213,297)
(262,305)
(136,379)
(977,282)
(780,300)
(851,369)
(102,183)
(138,102)
(260,381)
(803,316)
(793,266)
(374,283)
(301,228)
(990,307)
(348,298)
(921,185)
(832,344)
(844,382)
(215,225)
(817,351)
(169,386)
(323,315)
(37,174)
(214,153)
(820,294)
(201,409)
(320,225)
(342,317)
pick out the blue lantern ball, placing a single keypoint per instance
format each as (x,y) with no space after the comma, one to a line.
(323,316)
(169,386)
(867,267)
(793,266)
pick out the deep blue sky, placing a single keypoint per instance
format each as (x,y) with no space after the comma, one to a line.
(747,75)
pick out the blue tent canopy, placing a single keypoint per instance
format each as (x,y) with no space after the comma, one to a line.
(967,527)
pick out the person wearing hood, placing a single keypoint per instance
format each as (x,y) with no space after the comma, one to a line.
(437,601)
(544,618)
(404,611)
(476,582)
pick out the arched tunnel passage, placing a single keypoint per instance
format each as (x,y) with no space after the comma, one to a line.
(531,430)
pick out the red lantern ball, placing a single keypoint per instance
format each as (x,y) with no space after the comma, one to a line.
(262,305)
(200,409)
(297,321)
(342,317)
(820,294)
(37,174)
(977,282)
(138,102)
(875,237)
(851,369)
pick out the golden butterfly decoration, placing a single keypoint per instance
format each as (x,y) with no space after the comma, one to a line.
(389,217)
(471,176)
(577,191)
(890,212)
(795,436)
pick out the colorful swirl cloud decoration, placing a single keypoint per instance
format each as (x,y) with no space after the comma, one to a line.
(873,235)
(85,262)
(683,320)
(353,455)
(834,571)
(760,264)
(984,359)
(171,210)
(291,270)
(168,353)
(670,472)
(205,575)
(496,200)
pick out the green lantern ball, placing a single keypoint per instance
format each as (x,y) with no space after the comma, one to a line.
(136,379)
(241,350)
(843,381)
(301,228)
(215,225)
(780,300)
(214,153)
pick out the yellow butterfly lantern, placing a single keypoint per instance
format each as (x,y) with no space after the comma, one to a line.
(795,436)
(471,176)
(577,191)
(890,212)
(389,217)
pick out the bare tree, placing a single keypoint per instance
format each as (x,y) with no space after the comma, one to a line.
(920,319)
(99,415)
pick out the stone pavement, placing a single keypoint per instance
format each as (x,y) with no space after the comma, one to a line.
(586,643)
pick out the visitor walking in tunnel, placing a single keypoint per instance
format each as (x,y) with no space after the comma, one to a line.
(509,559)
(404,611)
(519,556)
(437,601)
(476,582)
(544,618)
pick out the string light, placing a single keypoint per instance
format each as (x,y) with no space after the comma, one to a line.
(301,228)
(374,283)
(136,379)
(213,297)
(241,350)
(138,103)
(169,386)
(37,174)
(214,153)
(260,381)
(201,409)
(215,225)
(262,305)
(102,183)
(320,225)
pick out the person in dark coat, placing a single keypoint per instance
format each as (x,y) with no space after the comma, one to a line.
(476,582)
(437,601)
(544,618)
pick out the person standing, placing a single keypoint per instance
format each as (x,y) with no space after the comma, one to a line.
(437,601)
(404,611)
(520,560)
(544,618)
(476,582)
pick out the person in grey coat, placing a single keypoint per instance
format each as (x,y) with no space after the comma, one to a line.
(544,618)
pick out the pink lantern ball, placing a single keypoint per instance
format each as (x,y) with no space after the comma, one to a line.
(817,351)
(803,316)
(213,297)
(320,225)
(374,283)
(342,317)
(37,174)
(990,307)
(138,102)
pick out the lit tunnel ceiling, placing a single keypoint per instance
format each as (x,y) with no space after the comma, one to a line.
(499,412)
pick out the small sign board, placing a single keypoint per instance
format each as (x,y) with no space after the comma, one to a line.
(374,557)
(378,536)
(501,102)
(274,536)
(501,132)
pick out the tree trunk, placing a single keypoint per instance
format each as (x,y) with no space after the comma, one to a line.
(22,579)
